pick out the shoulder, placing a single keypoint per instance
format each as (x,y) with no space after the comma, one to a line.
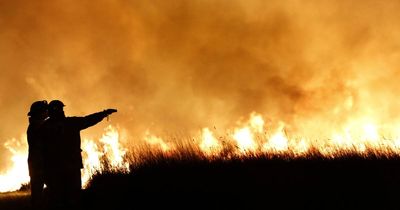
(74,120)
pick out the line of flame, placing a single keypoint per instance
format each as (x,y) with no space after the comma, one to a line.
(250,138)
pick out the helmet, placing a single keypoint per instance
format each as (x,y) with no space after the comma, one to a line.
(56,105)
(38,107)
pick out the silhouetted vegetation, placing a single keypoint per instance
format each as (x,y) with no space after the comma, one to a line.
(186,179)
(253,181)
(19,200)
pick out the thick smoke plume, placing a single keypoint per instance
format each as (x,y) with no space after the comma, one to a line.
(177,66)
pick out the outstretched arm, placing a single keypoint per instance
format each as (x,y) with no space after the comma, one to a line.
(94,118)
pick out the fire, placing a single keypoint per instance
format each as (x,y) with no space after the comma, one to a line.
(251,137)
(244,136)
(92,160)
(157,142)
(277,142)
(209,144)
(18,174)
(301,147)
(111,151)
(244,139)
(359,136)
(257,122)
(107,149)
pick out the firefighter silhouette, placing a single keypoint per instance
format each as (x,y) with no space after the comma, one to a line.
(62,153)
(37,116)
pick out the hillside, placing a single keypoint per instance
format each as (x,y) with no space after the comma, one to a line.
(253,182)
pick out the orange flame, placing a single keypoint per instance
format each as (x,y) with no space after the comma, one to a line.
(250,138)
(18,174)
(278,142)
(108,149)
(158,142)
(209,144)
(112,152)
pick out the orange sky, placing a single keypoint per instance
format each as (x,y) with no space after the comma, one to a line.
(178,66)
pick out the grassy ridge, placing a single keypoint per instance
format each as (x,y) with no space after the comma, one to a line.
(250,182)
(15,200)
(188,179)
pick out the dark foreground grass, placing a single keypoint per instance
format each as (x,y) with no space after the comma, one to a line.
(254,182)
(18,200)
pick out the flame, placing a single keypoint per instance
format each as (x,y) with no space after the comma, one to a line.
(256,122)
(301,147)
(158,142)
(358,136)
(209,144)
(18,173)
(278,142)
(253,137)
(112,148)
(92,160)
(108,148)
(112,152)
(244,138)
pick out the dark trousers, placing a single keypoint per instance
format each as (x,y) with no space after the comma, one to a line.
(64,188)
(37,184)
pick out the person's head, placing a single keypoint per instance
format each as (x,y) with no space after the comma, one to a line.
(56,109)
(38,110)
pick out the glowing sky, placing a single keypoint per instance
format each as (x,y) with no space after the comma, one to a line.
(177,66)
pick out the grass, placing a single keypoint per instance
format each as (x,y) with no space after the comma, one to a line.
(251,181)
(15,200)
(187,178)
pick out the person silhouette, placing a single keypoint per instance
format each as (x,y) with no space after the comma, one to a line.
(37,116)
(63,159)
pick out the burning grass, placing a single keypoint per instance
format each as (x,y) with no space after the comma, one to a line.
(186,177)
(251,180)
(248,166)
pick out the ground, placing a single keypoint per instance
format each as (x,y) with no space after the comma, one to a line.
(15,200)
(255,183)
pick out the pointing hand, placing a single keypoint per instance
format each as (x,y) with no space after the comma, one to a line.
(109,111)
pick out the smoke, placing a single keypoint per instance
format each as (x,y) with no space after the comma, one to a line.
(177,66)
